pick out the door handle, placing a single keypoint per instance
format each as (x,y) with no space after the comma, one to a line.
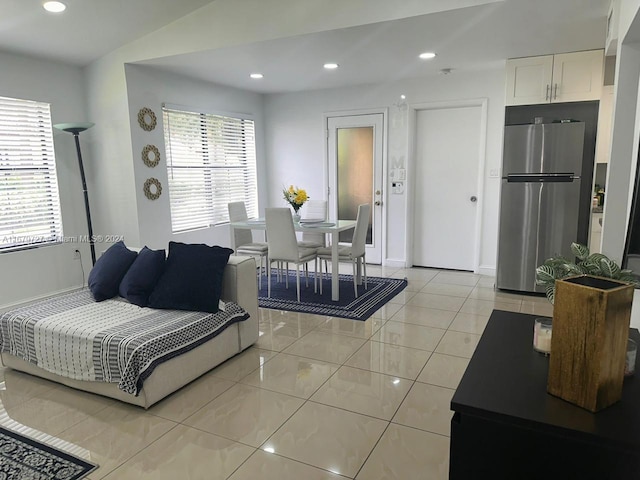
(378,203)
(473,199)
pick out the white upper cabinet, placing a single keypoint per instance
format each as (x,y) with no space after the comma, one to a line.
(565,77)
(529,80)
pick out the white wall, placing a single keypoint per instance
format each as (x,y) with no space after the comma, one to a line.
(295,143)
(31,273)
(219,24)
(149,87)
(624,140)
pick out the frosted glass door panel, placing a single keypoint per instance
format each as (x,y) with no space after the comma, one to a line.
(354,167)
(355,174)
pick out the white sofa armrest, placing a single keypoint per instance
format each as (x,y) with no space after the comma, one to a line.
(239,285)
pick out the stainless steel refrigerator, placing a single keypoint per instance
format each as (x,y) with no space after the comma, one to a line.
(539,201)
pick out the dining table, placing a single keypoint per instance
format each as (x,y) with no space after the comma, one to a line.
(333,228)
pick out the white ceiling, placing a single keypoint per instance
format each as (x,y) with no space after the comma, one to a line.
(88,29)
(466,39)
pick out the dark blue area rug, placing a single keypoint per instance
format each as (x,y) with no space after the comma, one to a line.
(380,291)
(24,458)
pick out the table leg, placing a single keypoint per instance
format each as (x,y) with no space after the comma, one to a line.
(335,267)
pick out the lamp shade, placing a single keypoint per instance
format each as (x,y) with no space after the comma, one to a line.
(74,127)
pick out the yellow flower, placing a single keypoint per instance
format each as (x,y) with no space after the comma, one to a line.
(295,196)
(301,197)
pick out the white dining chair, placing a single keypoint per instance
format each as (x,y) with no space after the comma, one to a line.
(243,239)
(314,210)
(354,253)
(283,246)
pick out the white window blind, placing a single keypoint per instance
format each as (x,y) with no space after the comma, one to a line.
(29,199)
(211,161)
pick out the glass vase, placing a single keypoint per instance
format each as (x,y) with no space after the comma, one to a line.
(296,217)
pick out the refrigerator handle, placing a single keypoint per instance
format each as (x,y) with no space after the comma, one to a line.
(540,178)
(538,225)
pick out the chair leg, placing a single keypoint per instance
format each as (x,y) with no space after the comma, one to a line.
(315,275)
(286,274)
(355,279)
(269,283)
(298,280)
(364,271)
(260,274)
(320,262)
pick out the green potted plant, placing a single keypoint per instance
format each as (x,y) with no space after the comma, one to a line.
(595,264)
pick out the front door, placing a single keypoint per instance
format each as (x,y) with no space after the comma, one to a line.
(355,146)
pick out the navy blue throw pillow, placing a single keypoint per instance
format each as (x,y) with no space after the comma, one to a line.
(142,276)
(192,278)
(107,273)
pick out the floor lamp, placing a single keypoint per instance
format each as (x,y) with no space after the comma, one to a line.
(75,129)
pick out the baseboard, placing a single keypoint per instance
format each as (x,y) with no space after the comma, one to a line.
(389,262)
(487,270)
(24,301)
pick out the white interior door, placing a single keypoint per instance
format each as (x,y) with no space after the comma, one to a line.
(354,156)
(446,187)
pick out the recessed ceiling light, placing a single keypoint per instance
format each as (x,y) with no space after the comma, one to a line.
(330,66)
(256,75)
(403,96)
(427,55)
(54,7)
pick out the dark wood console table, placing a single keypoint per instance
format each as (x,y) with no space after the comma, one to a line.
(506,425)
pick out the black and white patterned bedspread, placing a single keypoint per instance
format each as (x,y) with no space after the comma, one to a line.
(111,341)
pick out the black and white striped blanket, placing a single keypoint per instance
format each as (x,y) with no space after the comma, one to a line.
(113,341)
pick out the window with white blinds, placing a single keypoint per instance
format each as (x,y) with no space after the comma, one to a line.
(211,161)
(29,199)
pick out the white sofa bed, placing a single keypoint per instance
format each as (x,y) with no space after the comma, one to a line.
(239,286)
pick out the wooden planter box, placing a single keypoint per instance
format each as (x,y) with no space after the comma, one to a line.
(591,318)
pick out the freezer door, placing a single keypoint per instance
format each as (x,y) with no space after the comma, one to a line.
(543,148)
(538,220)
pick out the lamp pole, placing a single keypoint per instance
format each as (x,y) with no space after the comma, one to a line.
(75,129)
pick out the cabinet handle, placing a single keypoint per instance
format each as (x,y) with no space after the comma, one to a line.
(555,93)
(546,97)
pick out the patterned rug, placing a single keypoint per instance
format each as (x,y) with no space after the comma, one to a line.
(22,458)
(380,291)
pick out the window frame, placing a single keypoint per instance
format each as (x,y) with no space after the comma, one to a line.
(26,145)
(234,159)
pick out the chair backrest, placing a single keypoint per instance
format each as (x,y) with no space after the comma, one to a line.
(315,210)
(359,242)
(238,213)
(281,236)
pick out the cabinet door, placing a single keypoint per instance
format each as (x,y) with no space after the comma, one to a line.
(577,76)
(529,80)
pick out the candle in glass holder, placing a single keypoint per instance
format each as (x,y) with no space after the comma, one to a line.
(542,335)
(630,360)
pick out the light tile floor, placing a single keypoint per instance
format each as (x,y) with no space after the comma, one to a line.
(315,398)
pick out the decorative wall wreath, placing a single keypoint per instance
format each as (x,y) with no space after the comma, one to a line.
(152,188)
(148,161)
(147,119)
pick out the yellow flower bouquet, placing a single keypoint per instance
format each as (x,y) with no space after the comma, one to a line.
(296,197)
